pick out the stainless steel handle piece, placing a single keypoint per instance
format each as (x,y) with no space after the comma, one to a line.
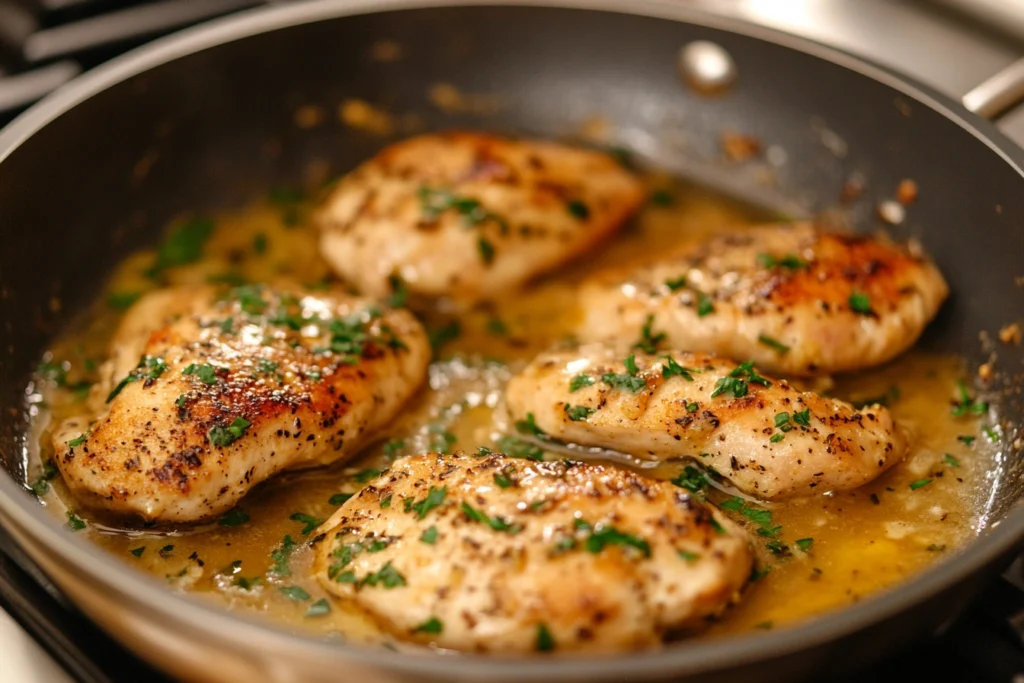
(998,94)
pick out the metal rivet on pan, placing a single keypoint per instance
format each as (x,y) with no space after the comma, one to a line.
(707,67)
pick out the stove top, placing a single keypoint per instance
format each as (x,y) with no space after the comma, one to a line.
(951,45)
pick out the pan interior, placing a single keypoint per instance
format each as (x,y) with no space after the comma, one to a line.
(173,140)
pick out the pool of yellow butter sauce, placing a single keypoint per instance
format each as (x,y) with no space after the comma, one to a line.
(863,541)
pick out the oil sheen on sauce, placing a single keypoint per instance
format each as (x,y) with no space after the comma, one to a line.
(850,544)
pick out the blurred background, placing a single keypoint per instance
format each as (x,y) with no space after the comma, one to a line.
(952,45)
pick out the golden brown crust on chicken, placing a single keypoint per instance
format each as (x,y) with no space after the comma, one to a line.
(496,554)
(794,299)
(471,215)
(764,436)
(233,387)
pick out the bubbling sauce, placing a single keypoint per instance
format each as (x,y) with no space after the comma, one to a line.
(839,548)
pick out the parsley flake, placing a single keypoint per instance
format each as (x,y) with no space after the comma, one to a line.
(434,498)
(319,608)
(309,521)
(860,303)
(431,625)
(295,593)
(578,413)
(920,483)
(580,381)
(496,523)
(206,373)
(225,436)
(234,517)
(772,343)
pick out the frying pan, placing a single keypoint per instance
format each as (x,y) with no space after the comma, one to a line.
(204,119)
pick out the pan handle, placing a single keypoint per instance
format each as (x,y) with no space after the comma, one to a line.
(997,95)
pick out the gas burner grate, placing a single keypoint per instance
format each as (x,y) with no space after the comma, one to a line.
(45,43)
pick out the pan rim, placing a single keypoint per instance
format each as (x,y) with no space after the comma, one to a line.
(101,569)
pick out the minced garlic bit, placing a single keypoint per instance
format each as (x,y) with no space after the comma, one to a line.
(450,100)
(309,116)
(364,116)
(739,147)
(906,192)
(985,372)
(891,212)
(1010,334)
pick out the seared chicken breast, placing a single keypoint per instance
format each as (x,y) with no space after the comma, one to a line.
(471,215)
(495,554)
(219,390)
(793,298)
(767,438)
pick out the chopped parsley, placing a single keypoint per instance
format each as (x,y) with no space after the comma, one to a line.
(496,327)
(370,473)
(399,291)
(920,483)
(966,404)
(578,209)
(486,249)
(385,502)
(441,440)
(137,552)
(78,440)
(772,343)
(434,498)
(496,523)
(434,202)
(673,369)
(790,261)
(545,641)
(319,608)
(578,413)
(966,438)
(503,480)
(431,625)
(249,298)
(804,544)
(783,425)
(442,335)
(392,447)
(630,380)
(281,555)
(166,550)
(990,433)
(387,576)
(517,448)
(267,367)
(42,483)
(309,521)
(206,373)
(225,436)
(430,535)
(688,556)
(579,381)
(662,197)
(737,380)
(705,305)
(529,428)
(948,459)
(182,246)
(234,517)
(121,301)
(676,284)
(75,523)
(598,539)
(803,417)
(296,593)
(760,517)
(648,340)
(861,303)
(339,498)
(691,479)
(148,369)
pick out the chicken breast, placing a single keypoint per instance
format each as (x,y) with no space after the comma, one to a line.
(471,215)
(761,434)
(224,389)
(792,298)
(495,554)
